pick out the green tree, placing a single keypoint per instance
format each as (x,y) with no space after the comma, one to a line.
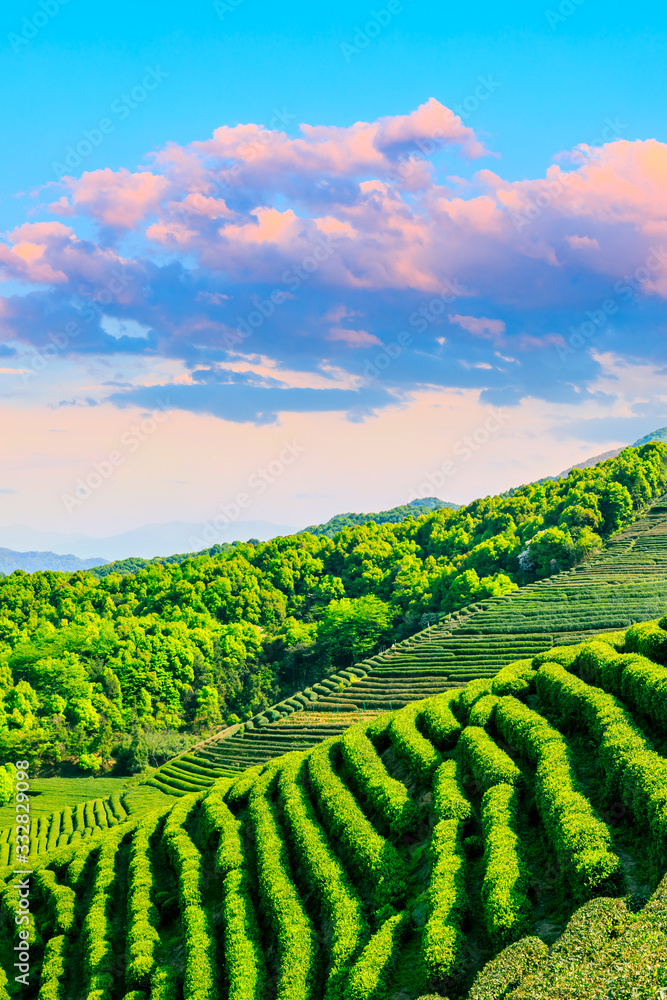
(353,626)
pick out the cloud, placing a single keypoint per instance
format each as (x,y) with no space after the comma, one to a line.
(6,492)
(343,250)
(353,338)
(119,199)
(479,325)
(253,404)
(582,243)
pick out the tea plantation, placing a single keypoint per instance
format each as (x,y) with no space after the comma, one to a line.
(625,584)
(503,839)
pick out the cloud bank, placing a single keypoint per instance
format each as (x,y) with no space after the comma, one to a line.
(344,268)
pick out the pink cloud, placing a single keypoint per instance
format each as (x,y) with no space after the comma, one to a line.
(479,325)
(251,203)
(119,198)
(353,338)
(428,126)
(582,243)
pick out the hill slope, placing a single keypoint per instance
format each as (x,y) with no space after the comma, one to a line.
(393,516)
(626,583)
(215,639)
(397,859)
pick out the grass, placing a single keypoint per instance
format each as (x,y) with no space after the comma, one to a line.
(515,875)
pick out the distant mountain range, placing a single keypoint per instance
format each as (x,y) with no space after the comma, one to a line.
(30,549)
(146,542)
(31,562)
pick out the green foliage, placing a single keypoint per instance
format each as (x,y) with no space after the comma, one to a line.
(353,626)
(443,942)
(388,797)
(393,516)
(93,666)
(417,753)
(372,969)
(290,922)
(507,909)
(488,763)
(368,855)
(633,769)
(648,639)
(53,969)
(580,839)
(245,965)
(7,773)
(95,932)
(509,968)
(199,982)
(142,935)
(516,678)
(439,721)
(319,841)
(449,800)
(60,899)
(337,900)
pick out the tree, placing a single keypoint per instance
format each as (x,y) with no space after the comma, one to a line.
(615,507)
(353,626)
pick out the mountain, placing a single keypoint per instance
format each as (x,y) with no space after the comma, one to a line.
(658,435)
(31,562)
(393,516)
(148,541)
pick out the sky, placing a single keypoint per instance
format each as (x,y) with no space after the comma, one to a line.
(276,262)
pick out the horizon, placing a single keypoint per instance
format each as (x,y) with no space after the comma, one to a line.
(416,262)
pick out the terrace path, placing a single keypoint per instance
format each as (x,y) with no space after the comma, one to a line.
(625,583)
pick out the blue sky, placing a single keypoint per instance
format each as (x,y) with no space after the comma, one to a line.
(560,319)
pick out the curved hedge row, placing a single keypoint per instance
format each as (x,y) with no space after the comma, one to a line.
(338,902)
(291,925)
(384,794)
(581,840)
(369,856)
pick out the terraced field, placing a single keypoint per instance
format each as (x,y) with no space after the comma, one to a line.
(75,823)
(625,584)
(441,848)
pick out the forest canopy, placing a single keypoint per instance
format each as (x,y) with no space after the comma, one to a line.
(87,663)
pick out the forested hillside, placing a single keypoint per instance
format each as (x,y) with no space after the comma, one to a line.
(393,516)
(443,848)
(88,665)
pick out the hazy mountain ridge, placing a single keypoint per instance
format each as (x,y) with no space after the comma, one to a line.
(32,562)
(658,435)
